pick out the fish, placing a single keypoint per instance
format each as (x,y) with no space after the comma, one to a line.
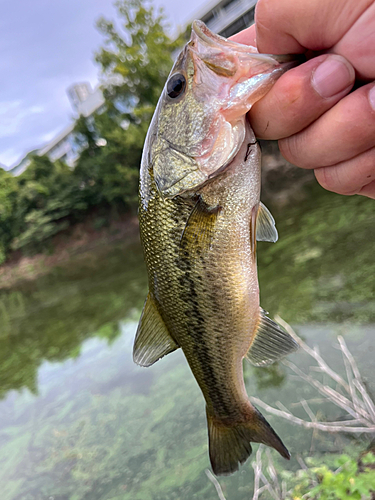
(200,216)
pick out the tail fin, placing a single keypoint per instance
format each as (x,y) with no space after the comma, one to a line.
(230,446)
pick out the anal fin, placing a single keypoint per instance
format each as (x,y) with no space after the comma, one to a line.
(266,228)
(270,342)
(152,340)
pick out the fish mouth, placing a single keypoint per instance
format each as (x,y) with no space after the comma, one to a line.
(249,76)
(213,40)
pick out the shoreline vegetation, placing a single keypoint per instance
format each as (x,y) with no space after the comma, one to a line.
(74,243)
(282,185)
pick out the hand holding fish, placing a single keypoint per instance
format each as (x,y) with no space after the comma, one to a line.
(319,122)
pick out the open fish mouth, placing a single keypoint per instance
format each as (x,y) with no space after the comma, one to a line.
(213,40)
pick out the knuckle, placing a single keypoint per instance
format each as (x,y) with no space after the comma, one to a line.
(331,179)
(293,150)
(290,95)
(325,178)
(266,11)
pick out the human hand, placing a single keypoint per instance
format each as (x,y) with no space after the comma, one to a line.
(320,125)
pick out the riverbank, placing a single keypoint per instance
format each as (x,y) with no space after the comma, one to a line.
(80,239)
(282,185)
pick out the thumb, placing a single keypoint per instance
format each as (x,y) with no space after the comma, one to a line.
(301,96)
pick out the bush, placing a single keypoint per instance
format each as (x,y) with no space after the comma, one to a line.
(346,480)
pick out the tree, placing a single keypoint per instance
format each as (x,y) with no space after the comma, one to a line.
(8,196)
(135,62)
(135,59)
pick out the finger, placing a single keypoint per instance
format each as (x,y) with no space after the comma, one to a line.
(358,44)
(301,96)
(355,176)
(247,36)
(289,26)
(343,132)
(368,190)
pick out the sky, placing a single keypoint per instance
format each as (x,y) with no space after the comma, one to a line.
(46,46)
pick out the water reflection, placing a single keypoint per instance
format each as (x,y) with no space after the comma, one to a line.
(270,376)
(48,319)
(78,420)
(102,427)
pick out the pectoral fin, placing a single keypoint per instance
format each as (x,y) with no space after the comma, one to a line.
(152,340)
(199,229)
(270,342)
(266,228)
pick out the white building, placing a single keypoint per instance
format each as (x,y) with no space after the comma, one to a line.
(227,17)
(85,102)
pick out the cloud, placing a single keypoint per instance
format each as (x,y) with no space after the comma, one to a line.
(9,157)
(13,114)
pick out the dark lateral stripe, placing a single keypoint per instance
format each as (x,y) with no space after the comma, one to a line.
(198,332)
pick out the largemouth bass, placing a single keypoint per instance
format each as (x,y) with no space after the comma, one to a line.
(200,216)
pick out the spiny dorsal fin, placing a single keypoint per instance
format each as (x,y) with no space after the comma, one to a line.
(266,229)
(200,228)
(152,340)
(270,342)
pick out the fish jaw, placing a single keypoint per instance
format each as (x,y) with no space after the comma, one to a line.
(201,130)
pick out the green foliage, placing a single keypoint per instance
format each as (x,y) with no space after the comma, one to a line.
(40,227)
(108,175)
(345,481)
(135,59)
(48,197)
(8,196)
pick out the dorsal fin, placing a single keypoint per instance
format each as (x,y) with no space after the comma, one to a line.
(266,228)
(270,342)
(152,340)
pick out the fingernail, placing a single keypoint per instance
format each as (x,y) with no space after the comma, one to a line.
(371,98)
(332,76)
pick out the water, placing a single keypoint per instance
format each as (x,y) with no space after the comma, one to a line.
(78,420)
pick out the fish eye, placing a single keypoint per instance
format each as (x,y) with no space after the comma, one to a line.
(176,85)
